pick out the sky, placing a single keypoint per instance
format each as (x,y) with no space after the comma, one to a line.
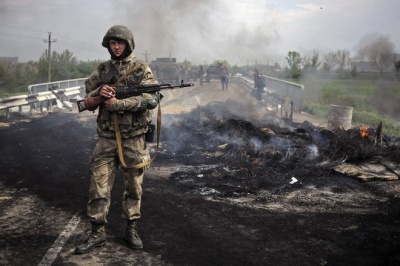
(200,31)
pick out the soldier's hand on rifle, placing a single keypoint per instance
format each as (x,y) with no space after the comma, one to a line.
(107,92)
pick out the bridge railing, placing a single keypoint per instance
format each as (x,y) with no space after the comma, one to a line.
(42,95)
(288,96)
(64,84)
(285,88)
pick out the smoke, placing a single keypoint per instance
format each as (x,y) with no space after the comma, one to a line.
(200,31)
(386,98)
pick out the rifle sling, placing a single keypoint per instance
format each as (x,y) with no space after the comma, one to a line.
(119,143)
(118,131)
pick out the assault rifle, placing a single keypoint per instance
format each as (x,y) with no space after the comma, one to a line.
(91,103)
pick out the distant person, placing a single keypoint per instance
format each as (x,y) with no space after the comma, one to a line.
(182,73)
(259,84)
(200,74)
(133,115)
(224,77)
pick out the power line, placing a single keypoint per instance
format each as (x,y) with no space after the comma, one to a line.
(88,47)
(82,45)
(79,44)
(7,26)
(20,36)
(85,46)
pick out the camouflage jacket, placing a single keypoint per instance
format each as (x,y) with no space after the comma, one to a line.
(133,118)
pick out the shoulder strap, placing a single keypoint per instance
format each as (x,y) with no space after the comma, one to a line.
(118,137)
(136,66)
(118,131)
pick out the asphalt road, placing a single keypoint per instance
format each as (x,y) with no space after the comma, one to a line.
(44,185)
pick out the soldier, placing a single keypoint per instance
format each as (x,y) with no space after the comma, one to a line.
(259,84)
(133,115)
(201,74)
(224,77)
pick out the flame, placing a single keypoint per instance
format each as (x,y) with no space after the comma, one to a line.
(364,132)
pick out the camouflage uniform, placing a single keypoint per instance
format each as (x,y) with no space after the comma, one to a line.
(133,114)
(224,77)
(133,120)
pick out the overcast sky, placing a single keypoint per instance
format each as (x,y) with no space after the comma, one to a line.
(200,31)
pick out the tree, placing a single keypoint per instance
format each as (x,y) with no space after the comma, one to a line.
(377,48)
(293,59)
(397,67)
(330,61)
(342,59)
(5,77)
(15,78)
(85,68)
(312,63)
(43,67)
(63,66)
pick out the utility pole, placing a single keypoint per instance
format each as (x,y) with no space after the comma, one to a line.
(146,56)
(49,54)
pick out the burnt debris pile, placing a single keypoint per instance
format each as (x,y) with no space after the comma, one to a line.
(254,147)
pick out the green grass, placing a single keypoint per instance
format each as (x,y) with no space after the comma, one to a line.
(370,100)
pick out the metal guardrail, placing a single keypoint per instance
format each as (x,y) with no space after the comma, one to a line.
(43,94)
(286,89)
(43,98)
(287,96)
(283,89)
(63,84)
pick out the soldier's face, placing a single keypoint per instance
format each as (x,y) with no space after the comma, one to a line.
(117,47)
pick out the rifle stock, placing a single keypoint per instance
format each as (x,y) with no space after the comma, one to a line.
(91,103)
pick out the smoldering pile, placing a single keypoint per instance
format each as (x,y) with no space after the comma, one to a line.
(257,147)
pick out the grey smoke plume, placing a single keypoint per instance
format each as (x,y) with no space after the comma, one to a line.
(201,31)
(198,31)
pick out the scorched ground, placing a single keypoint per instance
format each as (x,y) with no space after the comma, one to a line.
(233,184)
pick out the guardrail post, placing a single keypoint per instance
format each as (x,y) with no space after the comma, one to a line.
(291,110)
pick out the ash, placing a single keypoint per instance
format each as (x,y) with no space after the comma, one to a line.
(247,154)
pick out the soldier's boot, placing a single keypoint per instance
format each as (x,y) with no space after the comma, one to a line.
(132,236)
(97,238)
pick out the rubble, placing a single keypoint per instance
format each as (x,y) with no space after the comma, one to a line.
(269,144)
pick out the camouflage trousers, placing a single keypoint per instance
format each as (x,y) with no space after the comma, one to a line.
(103,170)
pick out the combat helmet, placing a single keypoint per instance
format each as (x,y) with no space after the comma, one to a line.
(119,32)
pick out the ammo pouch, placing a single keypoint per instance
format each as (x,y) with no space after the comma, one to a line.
(150,133)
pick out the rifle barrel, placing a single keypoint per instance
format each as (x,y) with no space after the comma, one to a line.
(138,90)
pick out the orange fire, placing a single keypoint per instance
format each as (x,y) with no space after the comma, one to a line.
(364,132)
